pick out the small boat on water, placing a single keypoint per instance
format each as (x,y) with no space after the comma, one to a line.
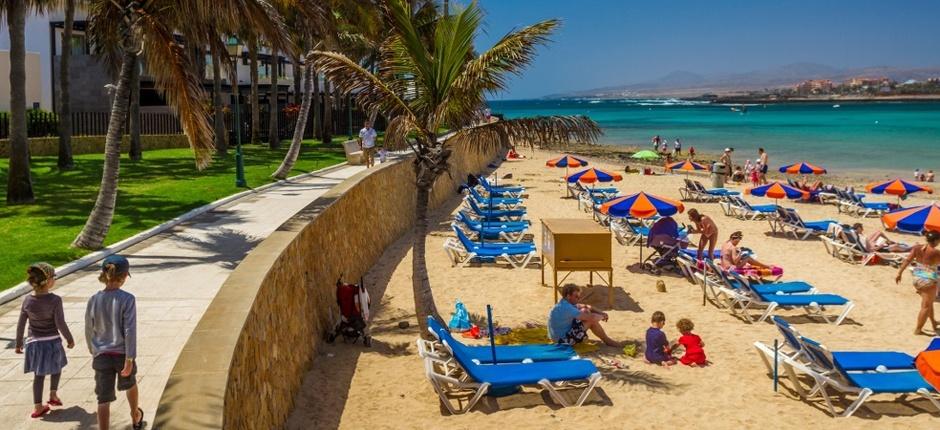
(836,106)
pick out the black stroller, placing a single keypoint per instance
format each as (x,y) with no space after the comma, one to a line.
(666,240)
(354,304)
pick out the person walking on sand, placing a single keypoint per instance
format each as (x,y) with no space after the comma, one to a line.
(726,160)
(708,233)
(111,334)
(677,148)
(44,353)
(655,141)
(764,167)
(924,259)
(367,138)
(569,321)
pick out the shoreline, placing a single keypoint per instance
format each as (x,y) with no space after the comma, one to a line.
(620,154)
(821,99)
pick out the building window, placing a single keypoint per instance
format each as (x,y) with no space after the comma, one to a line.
(77,45)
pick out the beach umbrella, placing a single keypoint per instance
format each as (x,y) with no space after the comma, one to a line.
(776,191)
(645,154)
(641,205)
(802,168)
(915,219)
(897,187)
(592,175)
(687,166)
(566,161)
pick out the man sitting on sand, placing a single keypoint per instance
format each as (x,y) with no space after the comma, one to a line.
(569,321)
(877,241)
(733,258)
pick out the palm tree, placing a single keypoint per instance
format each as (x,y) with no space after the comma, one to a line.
(221,147)
(253,96)
(425,83)
(65,160)
(133,27)
(136,152)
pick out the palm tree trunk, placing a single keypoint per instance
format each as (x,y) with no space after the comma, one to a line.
(421,284)
(65,161)
(316,105)
(298,97)
(19,181)
(274,140)
(99,221)
(221,146)
(294,151)
(253,97)
(327,114)
(136,152)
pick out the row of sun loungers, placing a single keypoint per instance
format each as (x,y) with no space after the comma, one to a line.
(464,374)
(696,192)
(858,374)
(491,229)
(844,244)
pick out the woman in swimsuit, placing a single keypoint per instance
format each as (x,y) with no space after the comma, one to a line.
(925,259)
(878,241)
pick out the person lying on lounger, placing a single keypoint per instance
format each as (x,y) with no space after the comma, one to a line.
(733,257)
(569,321)
(877,241)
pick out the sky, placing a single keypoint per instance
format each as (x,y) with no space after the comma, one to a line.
(614,42)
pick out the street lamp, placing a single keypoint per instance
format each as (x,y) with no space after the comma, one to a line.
(234,49)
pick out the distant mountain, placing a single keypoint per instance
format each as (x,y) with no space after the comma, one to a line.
(684,83)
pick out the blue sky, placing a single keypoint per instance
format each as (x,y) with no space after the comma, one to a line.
(612,42)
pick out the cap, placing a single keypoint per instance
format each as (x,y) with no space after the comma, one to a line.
(45,268)
(120,263)
(727,149)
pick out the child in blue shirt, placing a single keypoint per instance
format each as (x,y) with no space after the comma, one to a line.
(657,346)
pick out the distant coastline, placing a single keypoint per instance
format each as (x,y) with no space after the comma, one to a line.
(763,99)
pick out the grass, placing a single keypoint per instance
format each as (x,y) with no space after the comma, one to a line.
(162,186)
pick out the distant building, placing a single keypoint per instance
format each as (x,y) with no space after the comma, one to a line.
(868,82)
(814,86)
(934,81)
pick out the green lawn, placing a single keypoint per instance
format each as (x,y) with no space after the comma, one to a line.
(164,185)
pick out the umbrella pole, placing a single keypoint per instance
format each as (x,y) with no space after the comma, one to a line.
(489,319)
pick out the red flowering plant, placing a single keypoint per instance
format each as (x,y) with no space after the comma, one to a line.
(292,110)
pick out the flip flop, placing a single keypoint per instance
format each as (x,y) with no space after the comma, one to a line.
(45,410)
(140,424)
(55,402)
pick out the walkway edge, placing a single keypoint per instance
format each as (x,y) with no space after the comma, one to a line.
(76,265)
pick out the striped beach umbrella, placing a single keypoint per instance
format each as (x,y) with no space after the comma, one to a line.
(896,187)
(776,191)
(915,219)
(592,175)
(687,166)
(802,168)
(566,161)
(641,205)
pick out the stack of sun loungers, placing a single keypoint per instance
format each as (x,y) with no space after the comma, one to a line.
(740,295)
(844,243)
(491,228)
(843,374)
(464,374)
(788,221)
(696,192)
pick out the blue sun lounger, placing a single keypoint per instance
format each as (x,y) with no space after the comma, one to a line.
(511,190)
(788,220)
(504,378)
(507,231)
(463,250)
(848,361)
(494,214)
(504,353)
(493,202)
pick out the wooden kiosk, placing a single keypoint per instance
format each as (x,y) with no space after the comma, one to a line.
(577,245)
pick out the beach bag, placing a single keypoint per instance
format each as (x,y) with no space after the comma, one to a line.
(928,364)
(460,319)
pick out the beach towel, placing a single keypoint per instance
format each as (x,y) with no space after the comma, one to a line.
(460,319)
(538,336)
(928,364)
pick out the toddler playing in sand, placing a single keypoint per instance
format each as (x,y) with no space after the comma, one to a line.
(657,346)
(692,343)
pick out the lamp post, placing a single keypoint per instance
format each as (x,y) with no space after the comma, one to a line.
(234,49)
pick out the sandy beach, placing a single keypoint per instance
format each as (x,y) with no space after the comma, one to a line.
(353,387)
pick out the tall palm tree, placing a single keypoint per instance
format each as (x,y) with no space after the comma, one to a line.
(221,146)
(253,96)
(65,160)
(274,140)
(136,152)
(326,126)
(424,84)
(147,27)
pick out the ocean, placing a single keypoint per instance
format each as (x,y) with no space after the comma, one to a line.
(873,137)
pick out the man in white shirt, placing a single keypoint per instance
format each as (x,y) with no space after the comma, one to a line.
(367,143)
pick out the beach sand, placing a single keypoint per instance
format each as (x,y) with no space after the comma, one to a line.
(353,387)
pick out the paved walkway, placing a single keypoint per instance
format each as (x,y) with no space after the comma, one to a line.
(174,276)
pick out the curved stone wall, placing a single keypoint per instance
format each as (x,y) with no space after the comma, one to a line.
(244,363)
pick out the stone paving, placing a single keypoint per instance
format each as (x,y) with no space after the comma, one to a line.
(174,275)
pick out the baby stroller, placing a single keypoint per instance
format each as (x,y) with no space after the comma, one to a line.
(354,304)
(666,240)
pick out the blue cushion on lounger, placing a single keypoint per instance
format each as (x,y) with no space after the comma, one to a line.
(891,382)
(868,360)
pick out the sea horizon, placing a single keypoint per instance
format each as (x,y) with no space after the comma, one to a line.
(880,138)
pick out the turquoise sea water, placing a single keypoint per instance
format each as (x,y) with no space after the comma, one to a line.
(892,137)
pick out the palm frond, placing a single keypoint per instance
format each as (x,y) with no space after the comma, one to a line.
(169,65)
(488,71)
(540,131)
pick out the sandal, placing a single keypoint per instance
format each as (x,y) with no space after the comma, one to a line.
(140,424)
(37,414)
(53,402)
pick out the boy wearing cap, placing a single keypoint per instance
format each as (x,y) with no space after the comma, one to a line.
(111,334)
